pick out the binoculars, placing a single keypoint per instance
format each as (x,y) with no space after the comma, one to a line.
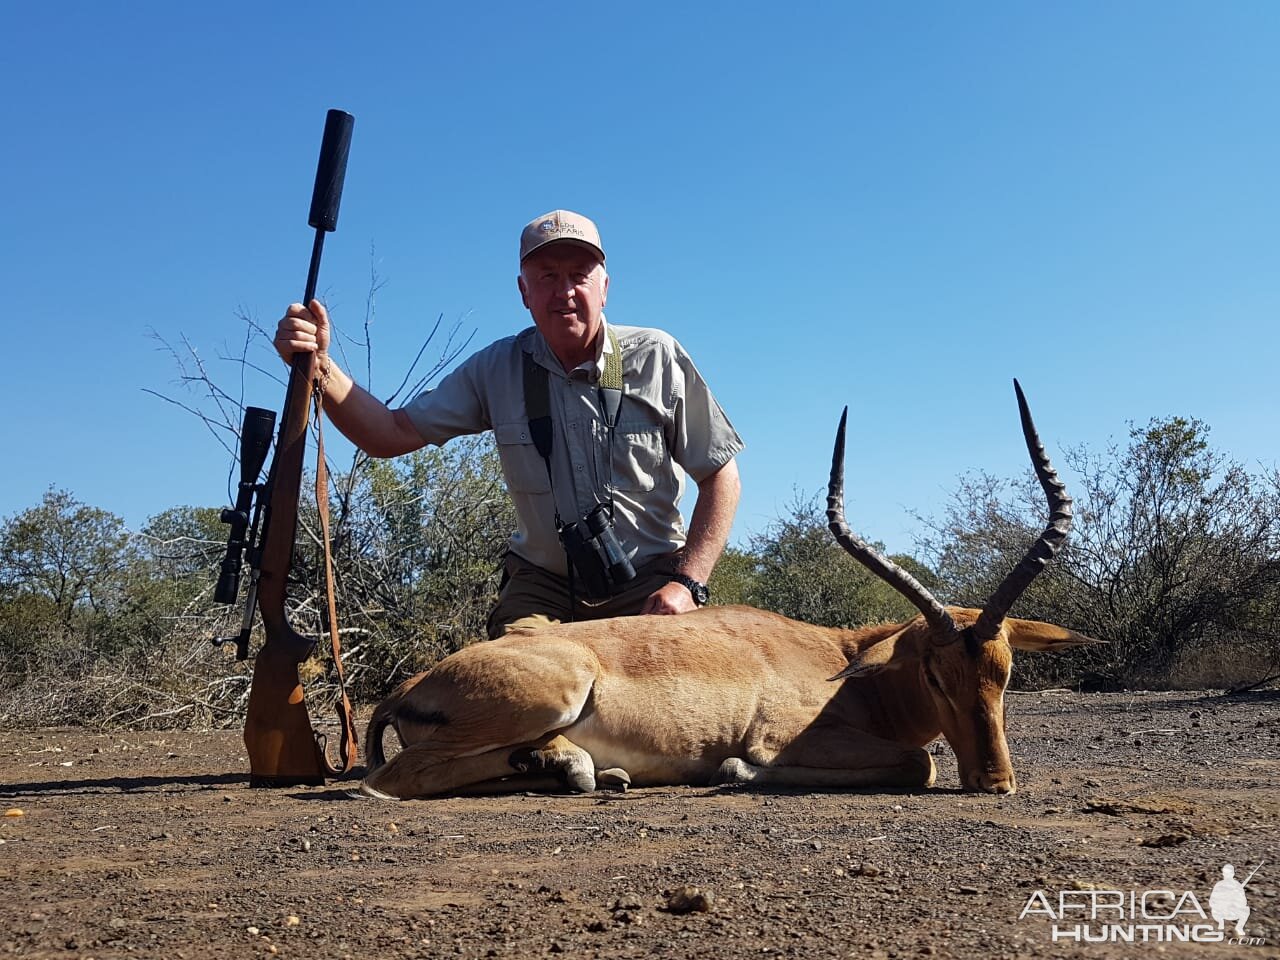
(596,555)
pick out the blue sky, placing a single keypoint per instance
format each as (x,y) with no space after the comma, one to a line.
(898,207)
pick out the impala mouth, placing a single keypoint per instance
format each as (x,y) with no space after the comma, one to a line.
(997,783)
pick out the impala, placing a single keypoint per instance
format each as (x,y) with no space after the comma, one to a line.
(728,694)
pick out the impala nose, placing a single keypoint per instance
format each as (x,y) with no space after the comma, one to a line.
(992,783)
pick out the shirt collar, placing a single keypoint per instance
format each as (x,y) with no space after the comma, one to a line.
(593,370)
(590,370)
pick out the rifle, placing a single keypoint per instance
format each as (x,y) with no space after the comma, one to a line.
(283,748)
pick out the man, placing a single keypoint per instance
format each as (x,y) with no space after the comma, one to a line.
(566,363)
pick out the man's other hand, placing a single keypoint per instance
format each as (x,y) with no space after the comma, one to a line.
(670,598)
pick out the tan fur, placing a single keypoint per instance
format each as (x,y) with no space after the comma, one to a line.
(722,693)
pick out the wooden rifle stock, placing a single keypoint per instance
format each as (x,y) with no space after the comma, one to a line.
(283,749)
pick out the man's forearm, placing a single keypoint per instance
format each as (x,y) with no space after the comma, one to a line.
(365,420)
(711,522)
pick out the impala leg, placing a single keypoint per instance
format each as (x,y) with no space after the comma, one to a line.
(420,770)
(833,758)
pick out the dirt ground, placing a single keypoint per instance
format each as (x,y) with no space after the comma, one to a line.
(152,845)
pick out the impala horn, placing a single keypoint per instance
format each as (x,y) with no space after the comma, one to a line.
(1044,549)
(935,614)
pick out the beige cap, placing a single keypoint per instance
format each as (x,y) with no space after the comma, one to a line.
(559,225)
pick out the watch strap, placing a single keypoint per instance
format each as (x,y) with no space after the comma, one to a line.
(696,588)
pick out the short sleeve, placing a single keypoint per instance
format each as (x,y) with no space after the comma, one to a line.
(704,440)
(454,408)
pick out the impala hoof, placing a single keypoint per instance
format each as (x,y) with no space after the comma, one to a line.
(615,778)
(735,770)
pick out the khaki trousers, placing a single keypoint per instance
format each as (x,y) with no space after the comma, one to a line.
(530,591)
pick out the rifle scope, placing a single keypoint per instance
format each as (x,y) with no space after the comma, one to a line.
(255,441)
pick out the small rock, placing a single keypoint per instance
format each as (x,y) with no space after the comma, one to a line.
(15,812)
(1164,840)
(628,901)
(251,931)
(817,844)
(866,870)
(690,900)
(306,846)
(968,889)
(292,920)
(117,923)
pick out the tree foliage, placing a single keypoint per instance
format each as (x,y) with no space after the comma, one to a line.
(1174,558)
(797,569)
(66,553)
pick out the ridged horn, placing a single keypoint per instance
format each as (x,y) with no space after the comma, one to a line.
(1044,549)
(935,614)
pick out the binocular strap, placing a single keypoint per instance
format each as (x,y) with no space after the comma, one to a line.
(537,403)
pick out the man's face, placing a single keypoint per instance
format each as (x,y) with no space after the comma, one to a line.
(565,286)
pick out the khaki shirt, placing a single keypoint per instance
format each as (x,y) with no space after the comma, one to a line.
(668,418)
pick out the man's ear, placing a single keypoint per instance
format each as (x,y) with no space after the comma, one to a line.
(891,653)
(524,296)
(604,290)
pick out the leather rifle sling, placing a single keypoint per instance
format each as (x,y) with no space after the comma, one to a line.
(348,745)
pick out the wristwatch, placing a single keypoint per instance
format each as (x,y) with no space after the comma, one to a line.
(699,590)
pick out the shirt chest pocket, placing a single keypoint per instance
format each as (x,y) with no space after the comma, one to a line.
(523,468)
(639,456)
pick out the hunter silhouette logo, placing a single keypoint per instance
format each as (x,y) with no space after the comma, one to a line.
(1148,916)
(1228,902)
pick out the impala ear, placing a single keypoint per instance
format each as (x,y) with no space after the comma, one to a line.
(1044,637)
(888,654)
